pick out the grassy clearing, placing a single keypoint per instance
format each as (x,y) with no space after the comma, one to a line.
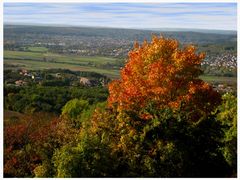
(35,60)
(21,55)
(36,65)
(232,80)
(38,49)
(40,60)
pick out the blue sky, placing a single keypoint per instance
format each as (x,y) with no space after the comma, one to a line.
(222,16)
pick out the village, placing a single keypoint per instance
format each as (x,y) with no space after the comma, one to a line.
(224,64)
(224,88)
(61,77)
(53,77)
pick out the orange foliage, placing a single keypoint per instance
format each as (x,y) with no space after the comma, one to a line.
(163,73)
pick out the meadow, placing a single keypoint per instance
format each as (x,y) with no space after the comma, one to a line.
(38,49)
(42,60)
(220,79)
(38,59)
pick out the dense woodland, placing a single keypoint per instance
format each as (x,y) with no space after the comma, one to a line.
(159,119)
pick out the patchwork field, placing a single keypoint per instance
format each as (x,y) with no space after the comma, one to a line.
(39,60)
(38,49)
(229,80)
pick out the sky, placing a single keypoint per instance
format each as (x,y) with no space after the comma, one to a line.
(219,16)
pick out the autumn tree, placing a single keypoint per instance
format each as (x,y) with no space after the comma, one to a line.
(27,142)
(159,121)
(165,75)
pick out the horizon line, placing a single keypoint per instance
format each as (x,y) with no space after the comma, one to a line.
(113,27)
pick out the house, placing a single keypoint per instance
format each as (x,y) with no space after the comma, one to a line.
(85,81)
(220,86)
(58,75)
(23,72)
(20,83)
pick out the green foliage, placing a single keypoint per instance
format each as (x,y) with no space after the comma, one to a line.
(170,145)
(123,144)
(73,109)
(44,170)
(91,139)
(178,148)
(67,161)
(228,118)
(90,156)
(49,99)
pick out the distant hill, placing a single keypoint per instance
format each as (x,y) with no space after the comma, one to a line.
(208,31)
(183,35)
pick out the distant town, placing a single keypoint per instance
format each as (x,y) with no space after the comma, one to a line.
(31,52)
(54,77)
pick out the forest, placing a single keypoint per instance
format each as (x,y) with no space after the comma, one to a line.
(157,119)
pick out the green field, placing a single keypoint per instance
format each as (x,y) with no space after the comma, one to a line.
(22,55)
(230,80)
(39,60)
(38,49)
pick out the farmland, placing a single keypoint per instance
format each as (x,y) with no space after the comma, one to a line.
(207,78)
(38,49)
(40,60)
(103,65)
(104,50)
(45,55)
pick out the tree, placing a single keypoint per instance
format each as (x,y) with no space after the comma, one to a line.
(228,118)
(73,109)
(86,154)
(162,74)
(28,142)
(159,120)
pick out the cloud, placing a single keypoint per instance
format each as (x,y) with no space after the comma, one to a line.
(127,15)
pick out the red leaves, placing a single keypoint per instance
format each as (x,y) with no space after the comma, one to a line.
(160,71)
(14,135)
(24,141)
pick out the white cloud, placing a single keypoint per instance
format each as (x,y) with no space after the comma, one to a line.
(132,15)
